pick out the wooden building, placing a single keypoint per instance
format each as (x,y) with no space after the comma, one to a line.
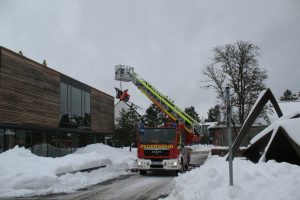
(48,112)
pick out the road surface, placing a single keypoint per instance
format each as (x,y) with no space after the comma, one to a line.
(198,158)
(130,187)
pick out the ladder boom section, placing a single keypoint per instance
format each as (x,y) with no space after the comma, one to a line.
(127,74)
(166,104)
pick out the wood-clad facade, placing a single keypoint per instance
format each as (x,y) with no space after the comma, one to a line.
(29,91)
(102,111)
(39,105)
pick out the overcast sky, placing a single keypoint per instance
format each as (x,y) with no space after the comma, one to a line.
(167,41)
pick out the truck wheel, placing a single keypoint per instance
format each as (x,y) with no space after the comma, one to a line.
(182,166)
(143,172)
(176,173)
(187,167)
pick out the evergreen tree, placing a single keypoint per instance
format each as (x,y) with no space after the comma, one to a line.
(213,114)
(127,127)
(154,117)
(288,96)
(192,113)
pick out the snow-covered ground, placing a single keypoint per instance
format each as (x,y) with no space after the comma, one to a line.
(25,174)
(206,147)
(262,181)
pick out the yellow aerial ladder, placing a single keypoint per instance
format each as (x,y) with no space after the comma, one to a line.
(127,74)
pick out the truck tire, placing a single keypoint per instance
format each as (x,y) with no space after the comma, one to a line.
(182,166)
(143,172)
(176,173)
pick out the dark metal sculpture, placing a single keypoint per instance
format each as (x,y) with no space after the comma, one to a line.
(267,96)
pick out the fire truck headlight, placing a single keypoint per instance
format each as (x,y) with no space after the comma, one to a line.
(139,163)
(174,163)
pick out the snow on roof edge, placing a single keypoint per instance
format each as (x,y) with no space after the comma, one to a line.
(273,126)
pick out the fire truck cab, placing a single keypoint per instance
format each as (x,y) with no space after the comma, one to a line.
(162,149)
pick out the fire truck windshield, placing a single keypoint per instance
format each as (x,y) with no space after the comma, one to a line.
(158,136)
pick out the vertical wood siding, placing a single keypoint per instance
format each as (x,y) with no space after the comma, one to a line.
(29,92)
(102,112)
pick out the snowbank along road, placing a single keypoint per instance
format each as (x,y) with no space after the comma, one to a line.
(128,187)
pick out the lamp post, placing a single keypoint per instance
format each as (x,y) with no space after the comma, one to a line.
(132,110)
(228,106)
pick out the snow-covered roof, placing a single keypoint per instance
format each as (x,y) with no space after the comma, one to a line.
(280,141)
(287,107)
(284,121)
(292,127)
(210,124)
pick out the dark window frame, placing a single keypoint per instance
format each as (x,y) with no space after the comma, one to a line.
(72,118)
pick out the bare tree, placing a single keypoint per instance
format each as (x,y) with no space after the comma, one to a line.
(235,65)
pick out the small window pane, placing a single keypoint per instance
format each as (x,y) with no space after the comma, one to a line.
(9,139)
(21,138)
(63,98)
(69,98)
(53,140)
(87,103)
(39,143)
(1,140)
(66,144)
(76,102)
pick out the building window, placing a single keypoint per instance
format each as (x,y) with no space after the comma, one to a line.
(76,102)
(75,107)
(53,141)
(63,98)
(69,98)
(1,140)
(21,138)
(9,138)
(86,103)
(39,143)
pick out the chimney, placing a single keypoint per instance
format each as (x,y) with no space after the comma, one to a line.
(45,63)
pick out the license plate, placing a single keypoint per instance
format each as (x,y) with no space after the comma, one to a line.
(156,162)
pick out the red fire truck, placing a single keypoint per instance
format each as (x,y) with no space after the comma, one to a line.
(161,148)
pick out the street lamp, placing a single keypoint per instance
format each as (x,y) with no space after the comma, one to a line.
(228,106)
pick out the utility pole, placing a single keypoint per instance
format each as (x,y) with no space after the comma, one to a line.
(131,116)
(132,132)
(228,105)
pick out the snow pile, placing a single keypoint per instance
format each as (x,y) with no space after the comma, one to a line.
(262,181)
(201,147)
(206,147)
(25,174)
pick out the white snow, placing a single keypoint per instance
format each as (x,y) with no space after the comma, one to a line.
(262,181)
(287,108)
(261,94)
(211,124)
(205,147)
(25,174)
(292,128)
